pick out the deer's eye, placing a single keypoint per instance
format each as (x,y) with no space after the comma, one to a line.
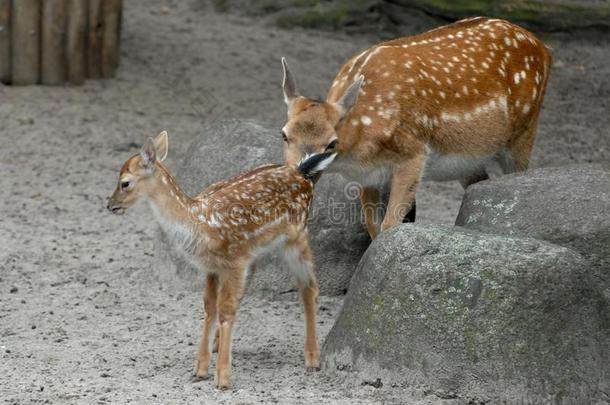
(125,185)
(331,146)
(284,137)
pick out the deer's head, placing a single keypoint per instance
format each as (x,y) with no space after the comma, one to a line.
(137,176)
(311,125)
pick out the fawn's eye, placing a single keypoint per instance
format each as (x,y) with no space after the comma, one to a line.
(125,184)
(331,146)
(284,137)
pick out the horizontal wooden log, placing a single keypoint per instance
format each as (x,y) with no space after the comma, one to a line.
(111,36)
(53,42)
(5,41)
(25,42)
(548,14)
(76,28)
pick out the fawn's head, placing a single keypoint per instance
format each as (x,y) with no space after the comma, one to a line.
(311,125)
(137,176)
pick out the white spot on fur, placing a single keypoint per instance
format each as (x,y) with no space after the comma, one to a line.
(366,120)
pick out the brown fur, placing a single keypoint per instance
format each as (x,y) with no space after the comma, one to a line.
(470,89)
(225,226)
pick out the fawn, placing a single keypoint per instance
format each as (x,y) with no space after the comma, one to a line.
(224,229)
(440,105)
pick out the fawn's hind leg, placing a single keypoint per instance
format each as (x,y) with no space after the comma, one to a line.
(231,288)
(299,259)
(210,293)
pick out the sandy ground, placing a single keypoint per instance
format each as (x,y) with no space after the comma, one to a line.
(82,319)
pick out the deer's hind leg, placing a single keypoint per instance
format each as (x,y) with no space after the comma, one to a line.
(210,294)
(519,150)
(299,259)
(479,175)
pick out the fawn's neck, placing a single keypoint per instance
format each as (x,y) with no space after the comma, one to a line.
(170,204)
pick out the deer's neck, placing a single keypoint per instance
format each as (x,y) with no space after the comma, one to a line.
(171,206)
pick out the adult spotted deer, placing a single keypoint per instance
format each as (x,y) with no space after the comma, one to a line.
(224,229)
(440,105)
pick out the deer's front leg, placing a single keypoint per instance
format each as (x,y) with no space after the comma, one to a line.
(229,294)
(210,293)
(405,179)
(369,199)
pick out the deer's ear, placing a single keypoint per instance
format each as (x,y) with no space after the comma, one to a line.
(345,103)
(148,154)
(289,85)
(161,146)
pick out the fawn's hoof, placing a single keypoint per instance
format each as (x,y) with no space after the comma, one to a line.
(312,361)
(312,369)
(222,381)
(196,379)
(200,371)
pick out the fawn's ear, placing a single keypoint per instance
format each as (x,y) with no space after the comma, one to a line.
(289,85)
(161,146)
(148,154)
(345,103)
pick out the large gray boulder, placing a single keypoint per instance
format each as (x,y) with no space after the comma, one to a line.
(337,236)
(478,317)
(569,206)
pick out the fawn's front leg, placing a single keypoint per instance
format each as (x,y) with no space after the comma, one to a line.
(210,294)
(249,277)
(405,179)
(229,294)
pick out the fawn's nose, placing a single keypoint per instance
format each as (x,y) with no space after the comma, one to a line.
(110,206)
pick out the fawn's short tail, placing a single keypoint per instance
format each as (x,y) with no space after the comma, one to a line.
(313,165)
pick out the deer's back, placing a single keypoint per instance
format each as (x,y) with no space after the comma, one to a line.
(464,88)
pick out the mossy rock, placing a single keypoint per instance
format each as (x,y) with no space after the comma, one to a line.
(475,316)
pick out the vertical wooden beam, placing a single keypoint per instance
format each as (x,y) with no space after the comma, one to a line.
(25,37)
(111,36)
(53,42)
(76,29)
(5,41)
(94,39)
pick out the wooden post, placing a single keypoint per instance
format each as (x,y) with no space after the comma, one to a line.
(53,42)
(25,36)
(111,36)
(76,29)
(5,41)
(94,39)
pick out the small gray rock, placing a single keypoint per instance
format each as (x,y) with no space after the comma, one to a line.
(475,316)
(337,236)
